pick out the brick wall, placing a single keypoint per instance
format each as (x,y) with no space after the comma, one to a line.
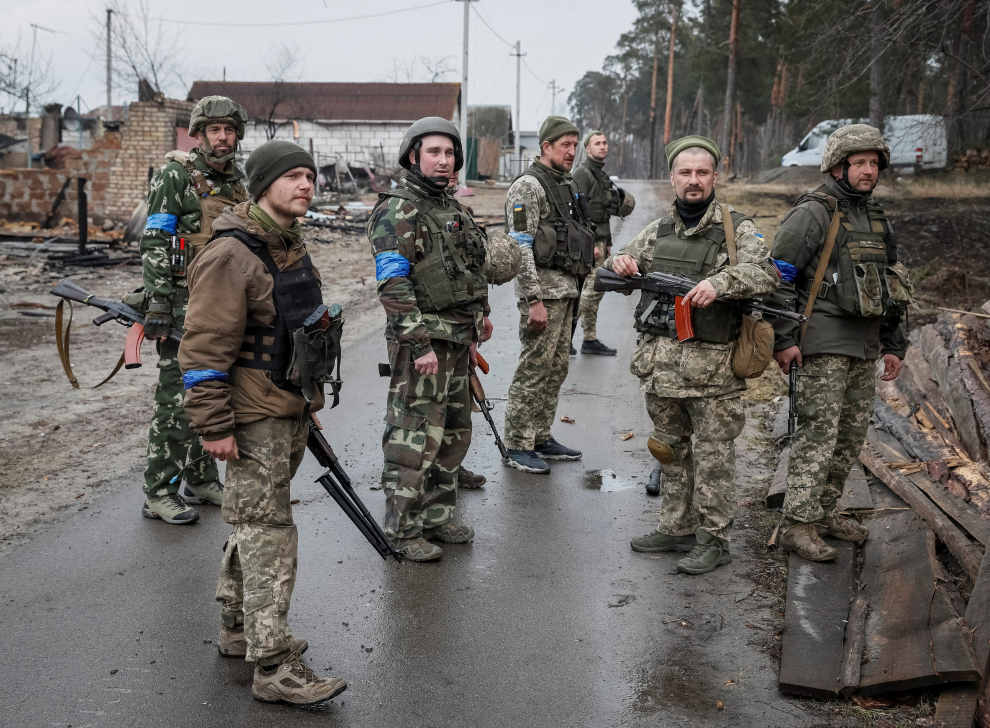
(147,136)
(28,194)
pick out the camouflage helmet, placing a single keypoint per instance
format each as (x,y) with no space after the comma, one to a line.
(502,258)
(852,139)
(217,109)
(424,127)
(627,205)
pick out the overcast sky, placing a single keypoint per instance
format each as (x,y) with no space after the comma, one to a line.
(561,40)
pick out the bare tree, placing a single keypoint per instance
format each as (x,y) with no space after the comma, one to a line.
(421,69)
(283,68)
(25,75)
(141,47)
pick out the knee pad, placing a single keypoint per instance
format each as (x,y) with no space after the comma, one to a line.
(661,451)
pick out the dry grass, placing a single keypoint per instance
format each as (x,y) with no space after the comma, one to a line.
(942,185)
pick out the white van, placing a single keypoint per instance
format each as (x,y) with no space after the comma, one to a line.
(915,140)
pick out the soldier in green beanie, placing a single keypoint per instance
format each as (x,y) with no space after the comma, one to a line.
(605,199)
(548,217)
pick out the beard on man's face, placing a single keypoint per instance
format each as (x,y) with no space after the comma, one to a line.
(692,193)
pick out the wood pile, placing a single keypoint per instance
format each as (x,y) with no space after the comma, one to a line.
(972,159)
(891,615)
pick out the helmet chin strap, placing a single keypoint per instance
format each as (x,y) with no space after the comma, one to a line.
(436,183)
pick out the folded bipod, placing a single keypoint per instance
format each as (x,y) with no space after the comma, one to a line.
(338,484)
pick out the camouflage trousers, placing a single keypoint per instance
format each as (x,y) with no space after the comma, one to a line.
(699,489)
(588,307)
(171,442)
(540,372)
(258,570)
(427,435)
(834,403)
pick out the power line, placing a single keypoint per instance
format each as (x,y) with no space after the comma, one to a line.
(533,74)
(488,25)
(294,23)
(497,78)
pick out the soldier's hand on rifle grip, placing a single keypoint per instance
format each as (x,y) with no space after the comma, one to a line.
(427,364)
(488,329)
(225,449)
(702,295)
(537,316)
(625,265)
(784,357)
(157,325)
(891,367)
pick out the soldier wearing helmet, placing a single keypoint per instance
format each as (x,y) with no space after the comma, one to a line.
(429,262)
(186,195)
(836,254)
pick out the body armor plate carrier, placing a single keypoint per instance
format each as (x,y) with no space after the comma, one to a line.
(692,258)
(566,239)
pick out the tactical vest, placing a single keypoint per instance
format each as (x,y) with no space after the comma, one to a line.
(692,258)
(603,203)
(212,205)
(566,239)
(868,284)
(451,274)
(296,294)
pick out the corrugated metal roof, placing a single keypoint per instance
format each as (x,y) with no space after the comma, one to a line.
(336,101)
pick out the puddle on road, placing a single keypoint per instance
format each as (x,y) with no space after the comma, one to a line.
(606,481)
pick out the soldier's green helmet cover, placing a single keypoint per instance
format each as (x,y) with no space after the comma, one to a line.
(217,109)
(424,127)
(853,139)
(502,258)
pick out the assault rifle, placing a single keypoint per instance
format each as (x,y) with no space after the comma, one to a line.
(338,484)
(485,405)
(792,376)
(672,289)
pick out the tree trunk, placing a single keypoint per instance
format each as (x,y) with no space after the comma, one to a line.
(730,83)
(876,66)
(625,115)
(670,77)
(701,108)
(653,110)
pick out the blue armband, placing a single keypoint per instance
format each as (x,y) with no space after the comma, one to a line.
(524,240)
(199,376)
(162,221)
(390,265)
(786,271)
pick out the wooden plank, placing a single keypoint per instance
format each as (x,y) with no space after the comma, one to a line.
(913,637)
(958,330)
(964,514)
(856,493)
(852,649)
(958,704)
(951,641)
(780,421)
(965,552)
(818,597)
(778,486)
(923,445)
(887,446)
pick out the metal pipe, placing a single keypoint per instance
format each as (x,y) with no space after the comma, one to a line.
(83,216)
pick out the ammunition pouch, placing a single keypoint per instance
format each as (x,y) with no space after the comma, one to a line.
(565,240)
(315,358)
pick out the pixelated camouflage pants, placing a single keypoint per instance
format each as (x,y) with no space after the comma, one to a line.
(171,442)
(540,372)
(427,435)
(834,402)
(699,489)
(588,307)
(258,570)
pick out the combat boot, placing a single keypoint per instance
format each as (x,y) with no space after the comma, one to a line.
(293,681)
(656,541)
(450,533)
(596,347)
(844,529)
(418,549)
(469,480)
(233,643)
(553,450)
(527,461)
(708,555)
(653,484)
(803,539)
(171,509)
(573,351)
(211,493)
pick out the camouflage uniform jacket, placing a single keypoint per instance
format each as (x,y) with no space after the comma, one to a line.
(535,283)
(798,243)
(394,226)
(172,193)
(669,368)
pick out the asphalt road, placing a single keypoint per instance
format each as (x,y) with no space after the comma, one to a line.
(547,619)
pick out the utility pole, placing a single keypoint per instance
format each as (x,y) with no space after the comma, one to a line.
(79,114)
(518,152)
(464,81)
(109,113)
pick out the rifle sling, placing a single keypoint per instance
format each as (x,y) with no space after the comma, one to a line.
(730,235)
(62,342)
(816,284)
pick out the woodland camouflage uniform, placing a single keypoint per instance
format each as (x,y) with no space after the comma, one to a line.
(690,387)
(173,204)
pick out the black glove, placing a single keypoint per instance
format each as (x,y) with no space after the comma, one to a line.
(157,324)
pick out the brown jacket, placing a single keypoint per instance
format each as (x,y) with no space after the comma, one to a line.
(229,288)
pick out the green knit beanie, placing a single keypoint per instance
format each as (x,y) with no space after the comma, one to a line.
(554,127)
(679,145)
(592,133)
(273,159)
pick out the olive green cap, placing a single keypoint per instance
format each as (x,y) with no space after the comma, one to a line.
(273,159)
(554,127)
(592,133)
(679,145)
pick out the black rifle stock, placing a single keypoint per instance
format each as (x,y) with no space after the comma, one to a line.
(338,484)
(115,310)
(792,376)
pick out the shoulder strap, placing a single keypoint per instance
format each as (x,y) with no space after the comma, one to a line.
(254,245)
(549,189)
(730,234)
(62,344)
(816,284)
